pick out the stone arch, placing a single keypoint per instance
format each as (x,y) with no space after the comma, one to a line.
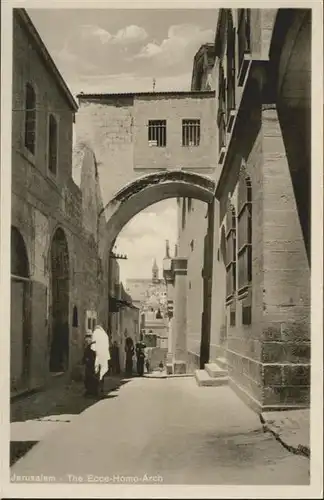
(20,328)
(290,56)
(60,301)
(147,190)
(140,194)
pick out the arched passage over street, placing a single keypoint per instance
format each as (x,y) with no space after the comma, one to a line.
(146,191)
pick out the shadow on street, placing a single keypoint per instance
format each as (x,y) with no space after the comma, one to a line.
(63,398)
(56,404)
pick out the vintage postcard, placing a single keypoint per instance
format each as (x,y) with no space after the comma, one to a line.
(161,249)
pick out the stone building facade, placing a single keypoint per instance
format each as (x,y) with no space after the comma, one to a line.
(260,307)
(55,272)
(193,242)
(263,79)
(116,127)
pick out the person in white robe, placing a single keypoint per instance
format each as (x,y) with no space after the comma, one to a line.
(100,344)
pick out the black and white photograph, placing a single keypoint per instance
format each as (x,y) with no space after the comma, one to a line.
(161,249)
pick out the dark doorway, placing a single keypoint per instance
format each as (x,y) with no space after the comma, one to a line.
(20,334)
(59,354)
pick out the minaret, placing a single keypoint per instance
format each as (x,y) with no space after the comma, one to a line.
(155,272)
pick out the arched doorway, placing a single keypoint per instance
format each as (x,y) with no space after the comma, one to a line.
(20,329)
(60,288)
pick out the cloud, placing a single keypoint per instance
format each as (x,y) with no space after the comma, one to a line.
(182,39)
(91,30)
(130,34)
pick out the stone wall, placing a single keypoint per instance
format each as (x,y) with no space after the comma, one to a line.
(174,109)
(42,203)
(116,129)
(192,230)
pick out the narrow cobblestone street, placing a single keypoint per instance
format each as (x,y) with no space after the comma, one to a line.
(169,428)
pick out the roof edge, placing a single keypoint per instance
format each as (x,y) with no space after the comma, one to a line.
(51,66)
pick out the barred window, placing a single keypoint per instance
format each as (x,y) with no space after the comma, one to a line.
(30,118)
(190,132)
(245,234)
(157,133)
(52,144)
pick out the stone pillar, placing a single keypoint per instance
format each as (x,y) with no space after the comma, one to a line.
(169,279)
(179,330)
(286,284)
(169,361)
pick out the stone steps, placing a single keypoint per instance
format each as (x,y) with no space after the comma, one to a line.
(222,363)
(205,380)
(215,371)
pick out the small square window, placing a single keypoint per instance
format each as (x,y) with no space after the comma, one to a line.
(157,133)
(190,133)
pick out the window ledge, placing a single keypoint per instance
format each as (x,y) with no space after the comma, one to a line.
(28,155)
(230,299)
(244,68)
(243,292)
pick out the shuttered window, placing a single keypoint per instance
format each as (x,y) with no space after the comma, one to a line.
(30,118)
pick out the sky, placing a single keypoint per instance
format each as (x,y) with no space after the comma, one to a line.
(123,50)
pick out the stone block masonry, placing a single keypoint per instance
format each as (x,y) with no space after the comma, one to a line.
(115,127)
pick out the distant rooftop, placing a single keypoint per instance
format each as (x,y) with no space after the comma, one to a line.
(180,93)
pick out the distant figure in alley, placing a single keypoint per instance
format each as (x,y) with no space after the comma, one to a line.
(129,349)
(140,354)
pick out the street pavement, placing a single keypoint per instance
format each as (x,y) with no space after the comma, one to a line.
(167,431)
